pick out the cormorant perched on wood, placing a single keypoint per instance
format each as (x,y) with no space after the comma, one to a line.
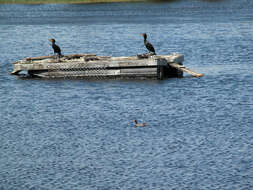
(148,45)
(56,48)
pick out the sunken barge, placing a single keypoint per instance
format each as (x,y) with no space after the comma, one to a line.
(93,66)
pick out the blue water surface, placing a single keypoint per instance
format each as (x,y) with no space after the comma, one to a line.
(79,134)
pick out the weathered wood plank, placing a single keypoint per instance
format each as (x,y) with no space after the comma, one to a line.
(174,58)
(138,70)
(76,56)
(90,64)
(87,73)
(73,56)
(147,75)
(185,69)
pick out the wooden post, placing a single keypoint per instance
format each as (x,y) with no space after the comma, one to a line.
(160,72)
(161,63)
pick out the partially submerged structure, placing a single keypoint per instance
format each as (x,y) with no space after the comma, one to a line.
(93,66)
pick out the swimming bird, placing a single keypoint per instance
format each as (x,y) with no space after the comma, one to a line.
(56,48)
(148,45)
(139,124)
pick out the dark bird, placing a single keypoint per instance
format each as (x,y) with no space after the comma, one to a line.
(139,124)
(148,45)
(56,48)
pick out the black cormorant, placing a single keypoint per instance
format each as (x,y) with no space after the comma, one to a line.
(56,48)
(148,45)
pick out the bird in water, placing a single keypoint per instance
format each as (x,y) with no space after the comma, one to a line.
(148,45)
(139,124)
(57,49)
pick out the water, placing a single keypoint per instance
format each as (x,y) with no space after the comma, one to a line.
(77,134)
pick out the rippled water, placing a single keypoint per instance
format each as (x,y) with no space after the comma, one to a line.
(77,134)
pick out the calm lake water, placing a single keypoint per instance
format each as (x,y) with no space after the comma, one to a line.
(77,134)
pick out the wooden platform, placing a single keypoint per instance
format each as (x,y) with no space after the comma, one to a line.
(92,66)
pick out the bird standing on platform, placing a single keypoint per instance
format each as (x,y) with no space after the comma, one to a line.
(148,45)
(57,49)
(139,124)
